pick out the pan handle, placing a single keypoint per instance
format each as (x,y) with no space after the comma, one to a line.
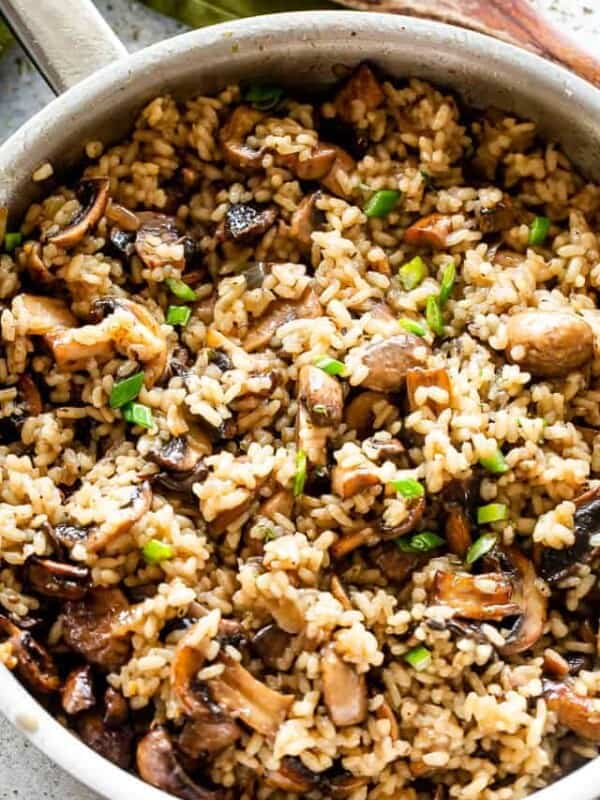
(66,39)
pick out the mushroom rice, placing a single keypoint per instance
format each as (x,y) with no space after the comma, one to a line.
(300,448)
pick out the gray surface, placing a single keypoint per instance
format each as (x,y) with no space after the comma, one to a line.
(24,773)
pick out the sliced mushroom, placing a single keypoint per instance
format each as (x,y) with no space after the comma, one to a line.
(361,91)
(532,604)
(348,481)
(549,343)
(248,699)
(321,395)
(389,361)
(226,518)
(244,221)
(158,765)
(342,166)
(500,217)
(77,694)
(94,198)
(177,455)
(345,785)
(383,449)
(33,259)
(438,378)
(359,415)
(55,579)
(35,665)
(292,776)
(556,564)
(31,395)
(121,520)
(181,482)
(344,690)
(555,664)
(574,711)
(311,439)
(67,535)
(273,645)
(233,136)
(159,241)
(208,734)
(317,163)
(396,565)
(115,744)
(87,627)
(430,231)
(353,540)
(281,502)
(306,219)
(37,315)
(279,313)
(458,531)
(479,597)
(126,219)
(116,709)
(188,658)
(416,509)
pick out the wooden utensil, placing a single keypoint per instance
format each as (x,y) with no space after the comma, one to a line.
(516,21)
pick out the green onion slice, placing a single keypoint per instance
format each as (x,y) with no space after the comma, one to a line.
(447,282)
(126,390)
(419,657)
(300,475)
(419,542)
(156,551)
(381,203)
(178,315)
(181,290)
(433,315)
(408,487)
(493,512)
(263,97)
(412,326)
(12,241)
(480,547)
(412,273)
(495,464)
(138,414)
(539,230)
(330,365)
(269,534)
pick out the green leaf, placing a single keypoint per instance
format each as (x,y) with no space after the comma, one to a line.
(198,13)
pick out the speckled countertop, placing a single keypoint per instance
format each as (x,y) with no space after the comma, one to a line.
(24,772)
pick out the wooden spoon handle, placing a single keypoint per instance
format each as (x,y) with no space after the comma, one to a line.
(515,21)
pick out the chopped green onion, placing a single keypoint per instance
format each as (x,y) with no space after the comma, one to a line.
(433,315)
(493,512)
(263,97)
(181,290)
(495,464)
(408,487)
(138,414)
(447,282)
(419,657)
(269,534)
(178,315)
(330,365)
(539,230)
(412,273)
(319,408)
(12,241)
(480,547)
(126,390)
(412,326)
(300,475)
(419,543)
(381,203)
(156,551)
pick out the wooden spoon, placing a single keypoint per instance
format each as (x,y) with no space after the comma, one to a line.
(514,21)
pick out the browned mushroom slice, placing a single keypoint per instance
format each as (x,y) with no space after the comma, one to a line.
(359,415)
(556,564)
(348,481)
(416,509)
(574,711)
(158,765)
(396,565)
(37,315)
(306,219)
(316,165)
(116,709)
(479,597)
(208,734)
(126,219)
(360,93)
(532,604)
(279,313)
(34,262)
(94,197)
(281,502)
(458,531)
(78,691)
(500,217)
(120,520)
(246,698)
(389,360)
(244,222)
(353,540)
(345,785)
(226,518)
(384,449)
(67,535)
(35,665)
(321,395)
(292,776)
(188,658)
(178,455)
(233,136)
(181,483)
(430,231)
(336,179)
(438,378)
(115,744)
(159,241)
(344,690)
(55,579)
(272,644)
(555,664)
(87,627)
(30,394)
